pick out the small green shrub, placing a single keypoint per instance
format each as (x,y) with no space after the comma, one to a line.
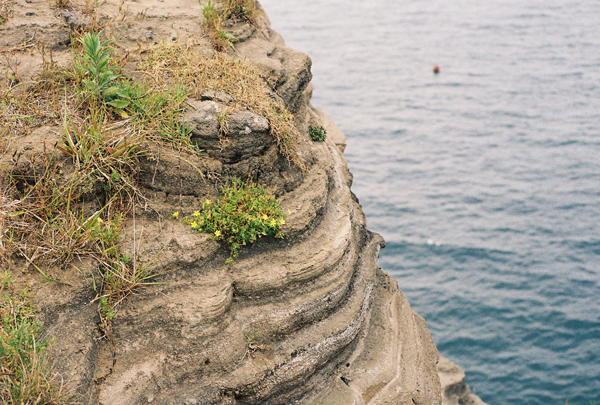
(317,133)
(210,13)
(244,213)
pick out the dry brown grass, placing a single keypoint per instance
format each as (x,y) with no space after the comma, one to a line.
(5,10)
(7,206)
(246,10)
(184,64)
(63,4)
(57,214)
(28,103)
(70,201)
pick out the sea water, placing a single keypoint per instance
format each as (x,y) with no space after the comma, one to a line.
(484,179)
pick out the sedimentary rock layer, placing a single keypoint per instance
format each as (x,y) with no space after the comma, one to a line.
(308,319)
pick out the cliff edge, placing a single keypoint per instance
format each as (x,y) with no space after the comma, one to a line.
(307,319)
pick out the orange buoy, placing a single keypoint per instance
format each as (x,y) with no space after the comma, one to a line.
(436,69)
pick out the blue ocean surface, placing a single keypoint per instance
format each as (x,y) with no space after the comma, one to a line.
(484,179)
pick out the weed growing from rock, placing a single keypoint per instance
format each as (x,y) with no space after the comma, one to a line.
(214,21)
(317,133)
(245,10)
(25,373)
(244,213)
(216,16)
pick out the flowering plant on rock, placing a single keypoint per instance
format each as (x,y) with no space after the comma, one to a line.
(244,213)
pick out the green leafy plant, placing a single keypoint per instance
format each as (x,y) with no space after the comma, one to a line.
(107,234)
(103,82)
(106,309)
(244,213)
(211,14)
(317,133)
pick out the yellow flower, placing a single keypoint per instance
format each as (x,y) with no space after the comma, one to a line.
(207,202)
(196,213)
(264,216)
(100,221)
(289,211)
(273,222)
(217,233)
(175,215)
(282,221)
(194,225)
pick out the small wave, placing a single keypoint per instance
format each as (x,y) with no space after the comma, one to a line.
(456,252)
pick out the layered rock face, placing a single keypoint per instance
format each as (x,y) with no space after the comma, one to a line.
(309,319)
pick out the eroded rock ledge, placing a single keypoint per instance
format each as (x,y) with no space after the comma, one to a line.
(455,391)
(310,319)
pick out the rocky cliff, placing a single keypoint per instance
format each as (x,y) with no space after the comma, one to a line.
(308,319)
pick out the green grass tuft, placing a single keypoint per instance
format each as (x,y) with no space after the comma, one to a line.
(26,376)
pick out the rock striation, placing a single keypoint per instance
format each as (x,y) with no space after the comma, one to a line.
(310,319)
